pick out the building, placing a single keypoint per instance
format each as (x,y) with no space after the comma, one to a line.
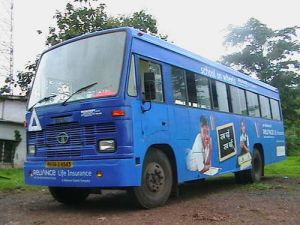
(12,131)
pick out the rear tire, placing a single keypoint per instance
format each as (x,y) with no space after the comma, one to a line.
(255,173)
(257,167)
(157,180)
(69,195)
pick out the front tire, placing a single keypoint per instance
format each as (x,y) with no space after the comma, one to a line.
(69,195)
(157,180)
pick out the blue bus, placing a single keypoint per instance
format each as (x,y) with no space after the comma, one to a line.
(126,110)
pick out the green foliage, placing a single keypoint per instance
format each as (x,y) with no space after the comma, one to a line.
(79,17)
(11,179)
(293,138)
(6,88)
(23,81)
(83,16)
(262,186)
(272,56)
(266,53)
(287,168)
(18,137)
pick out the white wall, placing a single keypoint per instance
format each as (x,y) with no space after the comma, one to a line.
(12,117)
(13,110)
(7,132)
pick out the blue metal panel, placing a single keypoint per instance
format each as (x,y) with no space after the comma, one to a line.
(116,173)
(266,132)
(84,132)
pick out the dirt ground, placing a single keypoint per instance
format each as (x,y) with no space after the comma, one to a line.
(217,201)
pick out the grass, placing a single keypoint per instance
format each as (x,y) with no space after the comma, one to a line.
(11,179)
(259,186)
(287,168)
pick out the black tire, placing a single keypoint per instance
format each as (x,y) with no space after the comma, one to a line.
(257,167)
(255,173)
(157,181)
(69,195)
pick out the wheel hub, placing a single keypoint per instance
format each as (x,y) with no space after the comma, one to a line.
(155,177)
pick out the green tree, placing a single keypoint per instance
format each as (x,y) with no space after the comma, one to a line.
(79,17)
(83,16)
(23,81)
(273,57)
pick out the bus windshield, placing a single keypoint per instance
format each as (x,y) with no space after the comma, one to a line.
(64,70)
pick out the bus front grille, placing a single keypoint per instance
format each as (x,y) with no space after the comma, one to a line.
(48,145)
(67,152)
(72,130)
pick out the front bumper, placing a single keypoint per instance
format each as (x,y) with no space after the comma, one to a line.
(115,173)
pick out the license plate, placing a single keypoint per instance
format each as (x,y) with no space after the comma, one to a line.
(59,164)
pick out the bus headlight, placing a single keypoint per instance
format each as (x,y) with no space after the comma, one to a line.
(108,145)
(31,149)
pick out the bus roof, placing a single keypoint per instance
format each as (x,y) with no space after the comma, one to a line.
(171,47)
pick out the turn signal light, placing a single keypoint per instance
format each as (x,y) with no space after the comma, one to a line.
(118,112)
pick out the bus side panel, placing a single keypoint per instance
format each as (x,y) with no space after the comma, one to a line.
(149,128)
(271,135)
(225,129)
(195,153)
(232,141)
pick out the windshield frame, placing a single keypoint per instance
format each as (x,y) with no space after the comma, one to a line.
(126,54)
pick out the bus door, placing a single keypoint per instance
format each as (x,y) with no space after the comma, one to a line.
(155,120)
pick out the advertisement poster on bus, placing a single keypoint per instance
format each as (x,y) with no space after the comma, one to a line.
(199,157)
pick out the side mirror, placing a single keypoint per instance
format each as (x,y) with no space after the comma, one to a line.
(144,101)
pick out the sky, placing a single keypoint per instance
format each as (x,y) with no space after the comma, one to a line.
(196,25)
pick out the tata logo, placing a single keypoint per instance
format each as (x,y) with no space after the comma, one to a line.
(62,138)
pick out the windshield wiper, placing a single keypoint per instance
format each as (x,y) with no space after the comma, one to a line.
(45,99)
(79,91)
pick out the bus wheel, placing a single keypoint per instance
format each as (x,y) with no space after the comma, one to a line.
(257,166)
(255,173)
(157,181)
(69,195)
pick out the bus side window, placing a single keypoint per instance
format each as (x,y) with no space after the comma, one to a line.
(219,96)
(202,85)
(238,100)
(265,107)
(151,79)
(198,90)
(253,104)
(179,86)
(132,81)
(275,109)
(192,91)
